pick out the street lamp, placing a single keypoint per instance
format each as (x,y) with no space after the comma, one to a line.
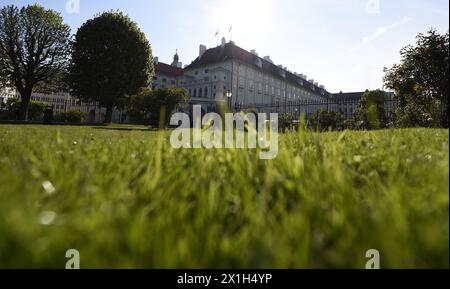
(229,94)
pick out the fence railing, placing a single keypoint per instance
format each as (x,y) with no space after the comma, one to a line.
(346,108)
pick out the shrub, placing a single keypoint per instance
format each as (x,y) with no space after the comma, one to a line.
(349,124)
(285,122)
(147,106)
(370,113)
(73,116)
(419,115)
(35,111)
(324,120)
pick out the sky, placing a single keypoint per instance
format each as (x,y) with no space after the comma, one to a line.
(342,44)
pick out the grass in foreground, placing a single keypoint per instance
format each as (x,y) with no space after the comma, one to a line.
(125,200)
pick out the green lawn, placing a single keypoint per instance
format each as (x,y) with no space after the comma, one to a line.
(125,199)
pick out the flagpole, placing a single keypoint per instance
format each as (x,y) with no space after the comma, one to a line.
(231,32)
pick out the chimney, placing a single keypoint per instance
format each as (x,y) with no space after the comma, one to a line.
(311,81)
(202,50)
(155,60)
(268,58)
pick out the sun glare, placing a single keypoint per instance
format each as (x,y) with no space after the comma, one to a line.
(244,17)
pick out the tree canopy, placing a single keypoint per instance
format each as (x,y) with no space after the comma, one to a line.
(323,120)
(421,81)
(371,113)
(111,60)
(147,106)
(34,49)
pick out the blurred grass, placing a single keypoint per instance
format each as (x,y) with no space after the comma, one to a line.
(125,199)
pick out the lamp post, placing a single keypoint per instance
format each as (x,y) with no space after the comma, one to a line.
(229,94)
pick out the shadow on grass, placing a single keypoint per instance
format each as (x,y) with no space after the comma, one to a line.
(125,128)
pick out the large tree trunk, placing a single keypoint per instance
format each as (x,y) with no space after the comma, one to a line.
(24,105)
(108,115)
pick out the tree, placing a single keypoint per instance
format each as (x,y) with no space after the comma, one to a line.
(324,120)
(421,81)
(34,50)
(111,60)
(370,113)
(148,106)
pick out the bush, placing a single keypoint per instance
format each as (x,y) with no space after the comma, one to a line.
(35,111)
(419,115)
(285,122)
(370,113)
(324,120)
(349,124)
(73,116)
(147,105)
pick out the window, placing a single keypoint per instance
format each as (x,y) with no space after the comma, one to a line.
(206,70)
(215,76)
(164,80)
(196,73)
(206,92)
(155,78)
(200,92)
(225,77)
(195,92)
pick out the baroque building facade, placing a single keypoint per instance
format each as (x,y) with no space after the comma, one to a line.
(232,75)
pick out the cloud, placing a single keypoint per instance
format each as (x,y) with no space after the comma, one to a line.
(373,7)
(382,30)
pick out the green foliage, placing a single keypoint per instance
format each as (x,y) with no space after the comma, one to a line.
(370,113)
(349,124)
(35,111)
(74,115)
(322,203)
(71,116)
(146,106)
(324,120)
(111,60)
(33,50)
(285,122)
(421,82)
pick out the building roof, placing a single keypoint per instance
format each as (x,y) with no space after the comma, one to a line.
(348,95)
(169,70)
(230,51)
(356,95)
